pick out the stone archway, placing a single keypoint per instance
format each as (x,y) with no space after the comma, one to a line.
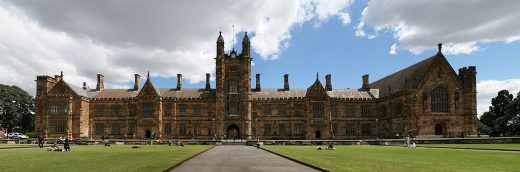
(148,134)
(439,129)
(318,134)
(233,132)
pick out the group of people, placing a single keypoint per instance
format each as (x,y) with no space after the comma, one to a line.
(175,143)
(411,142)
(66,144)
(329,147)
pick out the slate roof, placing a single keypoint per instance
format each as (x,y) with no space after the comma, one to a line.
(187,93)
(78,90)
(113,93)
(300,93)
(405,78)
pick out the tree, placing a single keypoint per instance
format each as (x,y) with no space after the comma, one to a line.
(512,116)
(16,109)
(493,119)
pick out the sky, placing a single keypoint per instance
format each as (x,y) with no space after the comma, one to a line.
(344,38)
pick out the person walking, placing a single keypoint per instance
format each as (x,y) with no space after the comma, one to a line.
(66,144)
(40,141)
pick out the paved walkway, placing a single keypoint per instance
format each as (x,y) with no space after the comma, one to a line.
(239,158)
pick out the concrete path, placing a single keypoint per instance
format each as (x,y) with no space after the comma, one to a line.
(239,158)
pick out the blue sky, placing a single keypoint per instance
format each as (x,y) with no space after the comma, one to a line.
(345,38)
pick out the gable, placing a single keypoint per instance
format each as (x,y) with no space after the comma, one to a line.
(316,91)
(63,87)
(148,90)
(441,73)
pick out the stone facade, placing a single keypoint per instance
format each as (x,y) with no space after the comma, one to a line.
(428,99)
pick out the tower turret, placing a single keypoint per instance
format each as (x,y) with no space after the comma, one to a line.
(246,50)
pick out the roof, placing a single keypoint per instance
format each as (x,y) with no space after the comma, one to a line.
(113,93)
(187,93)
(277,93)
(405,78)
(353,94)
(78,90)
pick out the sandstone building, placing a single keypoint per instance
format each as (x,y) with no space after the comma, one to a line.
(428,99)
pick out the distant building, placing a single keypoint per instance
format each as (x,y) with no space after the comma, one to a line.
(427,99)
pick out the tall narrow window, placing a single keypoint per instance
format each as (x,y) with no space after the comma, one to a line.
(318,110)
(399,108)
(281,129)
(148,110)
(281,110)
(116,128)
(131,128)
(182,110)
(168,128)
(297,110)
(58,126)
(365,129)
(196,110)
(267,110)
(132,110)
(366,110)
(334,110)
(100,111)
(196,129)
(350,130)
(297,129)
(349,110)
(100,128)
(116,110)
(439,100)
(384,111)
(267,129)
(182,129)
(168,110)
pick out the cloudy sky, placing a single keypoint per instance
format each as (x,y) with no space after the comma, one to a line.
(345,38)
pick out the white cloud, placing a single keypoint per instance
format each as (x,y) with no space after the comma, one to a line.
(488,89)
(393,49)
(345,18)
(83,38)
(464,24)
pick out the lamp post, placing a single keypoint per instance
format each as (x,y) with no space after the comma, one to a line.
(214,129)
(377,126)
(256,128)
(90,129)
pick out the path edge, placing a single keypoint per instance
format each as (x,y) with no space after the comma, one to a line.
(187,159)
(297,161)
(485,149)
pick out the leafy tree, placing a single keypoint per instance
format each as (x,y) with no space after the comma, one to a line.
(16,109)
(512,116)
(496,111)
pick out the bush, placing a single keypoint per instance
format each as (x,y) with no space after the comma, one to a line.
(32,134)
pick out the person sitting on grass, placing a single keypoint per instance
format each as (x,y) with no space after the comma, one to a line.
(319,148)
(54,148)
(330,147)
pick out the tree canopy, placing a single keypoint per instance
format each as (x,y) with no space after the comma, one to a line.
(503,117)
(16,109)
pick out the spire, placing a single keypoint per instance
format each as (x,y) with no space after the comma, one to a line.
(61,74)
(220,38)
(220,45)
(148,75)
(440,47)
(317,75)
(246,50)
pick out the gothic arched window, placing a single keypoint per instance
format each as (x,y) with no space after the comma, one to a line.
(440,100)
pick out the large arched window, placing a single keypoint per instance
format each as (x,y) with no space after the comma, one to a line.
(439,99)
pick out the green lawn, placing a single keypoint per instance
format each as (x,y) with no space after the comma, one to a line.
(485,146)
(391,158)
(98,158)
(19,145)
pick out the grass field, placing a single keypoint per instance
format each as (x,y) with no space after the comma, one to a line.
(19,145)
(390,158)
(98,158)
(483,146)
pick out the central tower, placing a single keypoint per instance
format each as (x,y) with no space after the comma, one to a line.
(233,90)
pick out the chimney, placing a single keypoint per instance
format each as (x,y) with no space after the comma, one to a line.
(100,82)
(84,85)
(328,85)
(137,81)
(365,82)
(208,86)
(258,82)
(286,82)
(179,82)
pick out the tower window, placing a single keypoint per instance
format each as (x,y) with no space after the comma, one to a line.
(439,100)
